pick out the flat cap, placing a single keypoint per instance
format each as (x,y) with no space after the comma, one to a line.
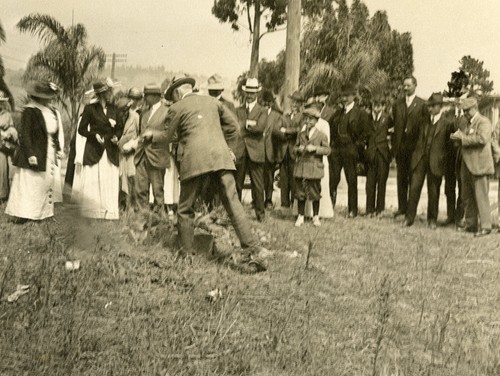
(468,103)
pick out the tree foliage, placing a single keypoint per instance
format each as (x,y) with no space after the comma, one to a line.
(3,84)
(65,58)
(273,12)
(348,46)
(478,83)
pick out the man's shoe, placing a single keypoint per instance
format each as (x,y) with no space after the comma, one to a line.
(352,214)
(482,232)
(316,221)
(449,221)
(466,229)
(300,221)
(261,218)
(407,223)
(432,225)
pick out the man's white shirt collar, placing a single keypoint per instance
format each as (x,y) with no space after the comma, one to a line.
(251,105)
(376,117)
(154,107)
(409,100)
(349,107)
(436,118)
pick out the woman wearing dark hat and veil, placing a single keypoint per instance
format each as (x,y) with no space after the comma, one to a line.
(99,181)
(37,159)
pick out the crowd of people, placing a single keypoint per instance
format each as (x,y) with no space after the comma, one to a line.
(168,151)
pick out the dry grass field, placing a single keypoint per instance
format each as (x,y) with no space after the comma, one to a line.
(354,297)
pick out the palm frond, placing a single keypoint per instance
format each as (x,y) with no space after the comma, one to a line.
(44,27)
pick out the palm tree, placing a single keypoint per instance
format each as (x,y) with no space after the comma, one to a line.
(3,84)
(65,59)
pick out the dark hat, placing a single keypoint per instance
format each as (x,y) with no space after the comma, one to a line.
(134,93)
(312,111)
(42,89)
(152,89)
(267,96)
(468,103)
(177,81)
(251,85)
(321,90)
(348,89)
(297,96)
(101,86)
(435,98)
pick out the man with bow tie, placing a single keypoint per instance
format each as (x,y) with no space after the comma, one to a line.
(410,116)
(477,165)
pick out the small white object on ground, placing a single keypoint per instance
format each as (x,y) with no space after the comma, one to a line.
(20,291)
(72,265)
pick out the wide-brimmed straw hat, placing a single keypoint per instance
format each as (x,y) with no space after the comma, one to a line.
(177,81)
(215,82)
(42,89)
(252,85)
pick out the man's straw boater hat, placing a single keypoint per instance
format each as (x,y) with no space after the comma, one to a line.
(251,86)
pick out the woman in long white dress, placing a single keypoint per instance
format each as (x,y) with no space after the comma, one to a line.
(33,188)
(99,178)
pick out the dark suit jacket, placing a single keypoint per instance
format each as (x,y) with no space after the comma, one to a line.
(309,165)
(155,151)
(33,140)
(273,137)
(377,138)
(328,114)
(95,121)
(228,104)
(408,122)
(201,124)
(234,140)
(253,137)
(436,140)
(289,138)
(356,130)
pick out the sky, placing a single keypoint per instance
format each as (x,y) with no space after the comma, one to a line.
(185,36)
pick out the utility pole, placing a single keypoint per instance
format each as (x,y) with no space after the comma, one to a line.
(116,58)
(292,60)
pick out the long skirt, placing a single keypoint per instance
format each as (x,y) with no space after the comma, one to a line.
(32,192)
(97,189)
(171,185)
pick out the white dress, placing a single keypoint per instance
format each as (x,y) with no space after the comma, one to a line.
(325,203)
(96,187)
(32,192)
(171,185)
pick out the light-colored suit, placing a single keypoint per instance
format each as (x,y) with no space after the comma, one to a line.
(152,158)
(477,164)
